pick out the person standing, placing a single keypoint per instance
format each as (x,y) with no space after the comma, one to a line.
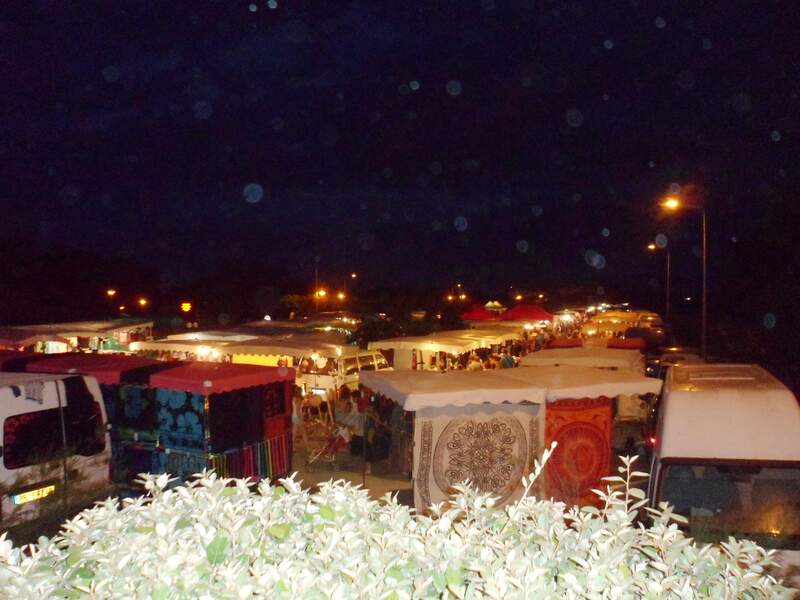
(506,360)
(474,363)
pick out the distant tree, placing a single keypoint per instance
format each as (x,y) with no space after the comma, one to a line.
(300,304)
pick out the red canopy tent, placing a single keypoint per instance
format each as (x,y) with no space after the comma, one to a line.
(479,313)
(527,312)
(13,361)
(215,378)
(108,369)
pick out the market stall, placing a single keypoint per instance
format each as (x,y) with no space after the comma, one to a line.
(489,426)
(480,313)
(233,418)
(466,425)
(426,352)
(529,313)
(587,356)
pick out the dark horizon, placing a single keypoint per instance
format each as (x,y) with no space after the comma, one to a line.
(492,143)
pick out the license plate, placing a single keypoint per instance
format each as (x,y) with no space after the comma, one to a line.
(32,495)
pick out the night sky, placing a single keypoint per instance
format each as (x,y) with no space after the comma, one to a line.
(487,141)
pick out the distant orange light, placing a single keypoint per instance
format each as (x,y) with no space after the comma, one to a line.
(340,296)
(462,297)
(652,440)
(122,307)
(671,203)
(518,297)
(321,293)
(449,298)
(353,275)
(541,296)
(111,292)
(186,306)
(143,302)
(651,246)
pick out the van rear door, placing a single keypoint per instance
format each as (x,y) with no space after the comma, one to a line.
(32,466)
(88,442)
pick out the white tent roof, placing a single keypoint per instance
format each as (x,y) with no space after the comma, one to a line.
(281,345)
(414,390)
(586,356)
(584,382)
(728,412)
(453,342)
(88,328)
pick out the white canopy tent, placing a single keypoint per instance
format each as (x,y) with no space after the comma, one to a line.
(415,390)
(586,356)
(454,342)
(500,414)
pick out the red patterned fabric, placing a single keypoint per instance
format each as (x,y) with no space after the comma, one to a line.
(582,429)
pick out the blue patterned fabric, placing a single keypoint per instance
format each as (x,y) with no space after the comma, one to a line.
(180,420)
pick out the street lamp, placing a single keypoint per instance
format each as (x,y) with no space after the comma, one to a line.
(110,292)
(652,248)
(341,295)
(142,302)
(353,275)
(674,204)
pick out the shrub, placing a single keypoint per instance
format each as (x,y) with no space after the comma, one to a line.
(219,538)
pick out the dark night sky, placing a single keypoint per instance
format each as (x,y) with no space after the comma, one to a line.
(417,142)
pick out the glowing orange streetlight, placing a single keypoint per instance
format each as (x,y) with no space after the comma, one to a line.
(321,293)
(110,292)
(462,297)
(143,302)
(186,307)
(353,275)
(449,297)
(673,204)
(518,297)
(541,296)
(122,307)
(652,247)
(341,296)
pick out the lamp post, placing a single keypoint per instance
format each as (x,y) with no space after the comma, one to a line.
(674,204)
(653,248)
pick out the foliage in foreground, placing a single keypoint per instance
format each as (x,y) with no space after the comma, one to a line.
(219,538)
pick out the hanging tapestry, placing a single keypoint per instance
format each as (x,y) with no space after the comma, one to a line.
(180,419)
(493,446)
(582,429)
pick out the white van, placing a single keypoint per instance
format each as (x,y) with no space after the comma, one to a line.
(727,457)
(55,450)
(324,372)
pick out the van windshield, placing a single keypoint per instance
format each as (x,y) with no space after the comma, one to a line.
(317,367)
(743,500)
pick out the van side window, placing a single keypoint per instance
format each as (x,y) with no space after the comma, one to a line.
(381,362)
(366,362)
(83,419)
(350,366)
(32,438)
